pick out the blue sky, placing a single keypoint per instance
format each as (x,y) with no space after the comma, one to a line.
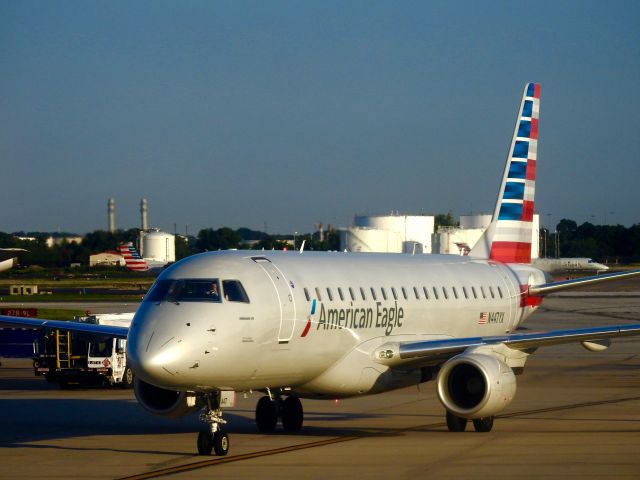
(242,113)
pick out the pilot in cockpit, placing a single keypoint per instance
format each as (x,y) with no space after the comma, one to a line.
(213,292)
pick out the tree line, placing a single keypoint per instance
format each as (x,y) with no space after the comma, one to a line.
(603,243)
(66,253)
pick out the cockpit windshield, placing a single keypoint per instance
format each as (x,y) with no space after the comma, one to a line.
(185,290)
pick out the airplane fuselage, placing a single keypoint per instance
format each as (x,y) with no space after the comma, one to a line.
(306,315)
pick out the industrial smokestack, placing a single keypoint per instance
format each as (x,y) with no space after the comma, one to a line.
(143,214)
(111,210)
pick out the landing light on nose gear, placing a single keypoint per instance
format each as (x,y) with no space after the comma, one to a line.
(213,437)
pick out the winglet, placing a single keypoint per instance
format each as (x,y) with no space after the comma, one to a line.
(508,237)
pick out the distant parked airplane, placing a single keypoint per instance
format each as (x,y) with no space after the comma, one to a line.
(560,265)
(9,257)
(135,262)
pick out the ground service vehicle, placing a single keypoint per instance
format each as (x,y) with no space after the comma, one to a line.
(72,358)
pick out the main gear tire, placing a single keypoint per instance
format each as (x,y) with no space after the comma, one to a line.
(455,423)
(292,414)
(266,415)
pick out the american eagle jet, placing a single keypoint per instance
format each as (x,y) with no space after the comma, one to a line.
(332,325)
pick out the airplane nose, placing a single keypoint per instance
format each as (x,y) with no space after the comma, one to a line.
(152,352)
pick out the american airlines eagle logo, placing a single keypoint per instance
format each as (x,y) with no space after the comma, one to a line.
(307,327)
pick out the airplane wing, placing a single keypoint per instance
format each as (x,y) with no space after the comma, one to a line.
(108,330)
(428,352)
(547,288)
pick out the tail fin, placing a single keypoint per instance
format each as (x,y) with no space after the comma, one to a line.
(132,258)
(508,237)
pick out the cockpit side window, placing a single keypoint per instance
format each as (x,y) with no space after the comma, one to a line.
(234,291)
(185,290)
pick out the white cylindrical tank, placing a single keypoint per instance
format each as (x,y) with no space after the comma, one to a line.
(475,221)
(159,246)
(409,229)
(356,239)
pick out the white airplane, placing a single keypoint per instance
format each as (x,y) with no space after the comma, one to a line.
(331,325)
(559,265)
(9,257)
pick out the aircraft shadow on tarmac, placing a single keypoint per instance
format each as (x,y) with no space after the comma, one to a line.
(35,420)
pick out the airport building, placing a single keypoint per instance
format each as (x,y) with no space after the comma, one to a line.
(111,259)
(388,233)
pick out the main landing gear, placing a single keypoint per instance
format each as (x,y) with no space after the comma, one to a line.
(213,437)
(288,410)
(458,424)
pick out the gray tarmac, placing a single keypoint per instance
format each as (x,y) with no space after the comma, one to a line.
(576,414)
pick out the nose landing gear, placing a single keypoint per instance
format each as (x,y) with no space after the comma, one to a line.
(213,437)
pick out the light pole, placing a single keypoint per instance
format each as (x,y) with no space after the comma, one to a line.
(295,234)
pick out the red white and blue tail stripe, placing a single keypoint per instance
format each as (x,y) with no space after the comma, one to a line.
(132,258)
(508,239)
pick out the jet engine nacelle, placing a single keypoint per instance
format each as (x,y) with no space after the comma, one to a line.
(475,385)
(166,403)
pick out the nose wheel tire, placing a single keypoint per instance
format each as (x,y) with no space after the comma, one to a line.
(266,415)
(291,414)
(484,424)
(205,442)
(217,442)
(221,443)
(455,423)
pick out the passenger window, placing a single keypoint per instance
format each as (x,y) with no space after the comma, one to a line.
(444,292)
(482,292)
(306,294)
(464,292)
(353,296)
(318,294)
(395,295)
(500,292)
(435,293)
(340,294)
(384,294)
(234,291)
(404,293)
(426,293)
(329,294)
(473,290)
(416,293)
(491,292)
(364,297)
(373,293)
(455,292)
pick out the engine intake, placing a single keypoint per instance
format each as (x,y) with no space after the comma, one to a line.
(475,385)
(166,403)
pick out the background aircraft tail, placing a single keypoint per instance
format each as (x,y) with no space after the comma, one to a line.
(508,237)
(132,258)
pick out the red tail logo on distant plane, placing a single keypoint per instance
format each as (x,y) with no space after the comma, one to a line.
(132,258)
